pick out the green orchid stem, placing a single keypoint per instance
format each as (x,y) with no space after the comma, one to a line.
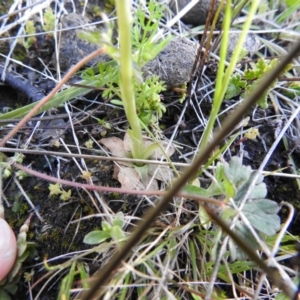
(223,77)
(126,76)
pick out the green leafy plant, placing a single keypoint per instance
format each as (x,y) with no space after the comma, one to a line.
(229,187)
(122,77)
(247,81)
(144,30)
(140,98)
(55,189)
(109,231)
(49,20)
(235,86)
(232,182)
(126,80)
(48,26)
(6,163)
(224,75)
(76,270)
(30,30)
(148,99)
(144,48)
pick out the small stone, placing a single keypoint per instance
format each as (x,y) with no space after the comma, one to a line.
(174,63)
(251,44)
(196,15)
(72,48)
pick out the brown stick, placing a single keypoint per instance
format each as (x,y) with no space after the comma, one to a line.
(70,73)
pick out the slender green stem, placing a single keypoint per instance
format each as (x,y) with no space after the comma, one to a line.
(218,92)
(126,76)
(223,79)
(236,54)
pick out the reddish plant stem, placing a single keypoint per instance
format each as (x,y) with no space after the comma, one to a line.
(113,190)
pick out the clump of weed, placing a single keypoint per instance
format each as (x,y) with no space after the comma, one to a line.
(144,48)
(243,84)
(232,183)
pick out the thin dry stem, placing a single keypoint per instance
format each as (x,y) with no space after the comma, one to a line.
(117,190)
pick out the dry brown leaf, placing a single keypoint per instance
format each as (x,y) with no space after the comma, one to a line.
(116,171)
(115,145)
(162,173)
(127,143)
(130,179)
(151,184)
(158,154)
(128,176)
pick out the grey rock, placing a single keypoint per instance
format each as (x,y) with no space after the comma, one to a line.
(251,44)
(197,15)
(72,49)
(174,64)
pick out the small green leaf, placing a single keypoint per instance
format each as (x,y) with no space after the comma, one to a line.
(14,273)
(251,74)
(106,226)
(83,275)
(204,219)
(12,288)
(117,102)
(219,173)
(236,172)
(192,189)
(258,191)
(21,243)
(54,189)
(245,234)
(119,219)
(262,214)
(4,295)
(23,257)
(117,233)
(65,195)
(235,86)
(88,73)
(196,297)
(232,91)
(228,188)
(49,20)
(92,37)
(96,237)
